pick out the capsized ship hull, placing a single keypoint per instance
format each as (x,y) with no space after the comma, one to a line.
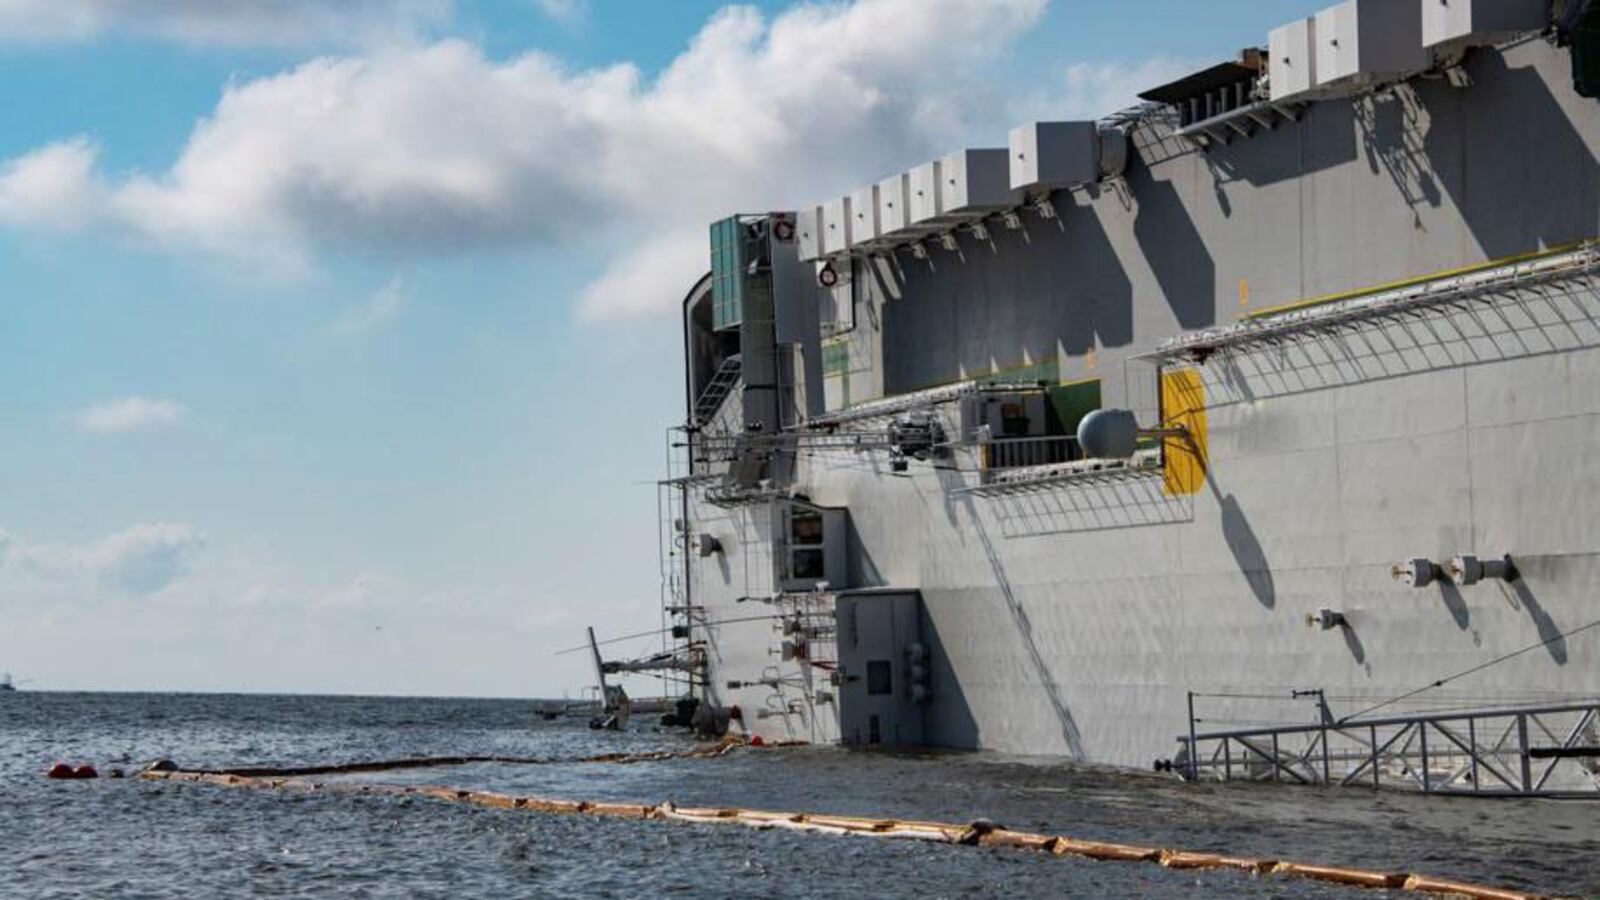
(1050,604)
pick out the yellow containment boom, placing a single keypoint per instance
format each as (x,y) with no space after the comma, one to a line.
(980,833)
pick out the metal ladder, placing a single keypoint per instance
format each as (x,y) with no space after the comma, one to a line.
(717,389)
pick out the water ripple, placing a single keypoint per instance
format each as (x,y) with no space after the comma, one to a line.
(133,839)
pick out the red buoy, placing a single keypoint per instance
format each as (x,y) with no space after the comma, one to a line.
(756,741)
(59,770)
(85,771)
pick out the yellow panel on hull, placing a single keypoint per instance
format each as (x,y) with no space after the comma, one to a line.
(1183,404)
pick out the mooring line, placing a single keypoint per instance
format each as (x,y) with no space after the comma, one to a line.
(980,833)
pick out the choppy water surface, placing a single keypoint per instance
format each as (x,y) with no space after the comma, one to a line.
(127,838)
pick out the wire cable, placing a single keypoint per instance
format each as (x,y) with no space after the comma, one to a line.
(1475,669)
(656,631)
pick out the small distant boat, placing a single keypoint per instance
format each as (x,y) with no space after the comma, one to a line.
(6,684)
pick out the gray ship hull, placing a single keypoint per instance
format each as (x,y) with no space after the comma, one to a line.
(1076,616)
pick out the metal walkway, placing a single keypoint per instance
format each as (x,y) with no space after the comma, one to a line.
(1001,479)
(1534,751)
(1524,283)
(724,447)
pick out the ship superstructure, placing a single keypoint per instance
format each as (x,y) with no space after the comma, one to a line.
(1346,285)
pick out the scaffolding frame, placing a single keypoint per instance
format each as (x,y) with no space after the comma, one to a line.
(672,532)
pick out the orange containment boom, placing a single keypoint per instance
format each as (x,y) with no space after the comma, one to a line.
(980,833)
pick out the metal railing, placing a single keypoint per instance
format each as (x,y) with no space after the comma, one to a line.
(1016,453)
(1143,466)
(1512,281)
(1533,751)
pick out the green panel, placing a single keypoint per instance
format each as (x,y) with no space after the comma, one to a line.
(836,357)
(727,274)
(1074,401)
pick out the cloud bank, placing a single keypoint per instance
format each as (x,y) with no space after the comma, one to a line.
(427,149)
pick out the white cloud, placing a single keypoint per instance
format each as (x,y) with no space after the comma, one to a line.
(226,22)
(160,607)
(377,311)
(141,560)
(662,268)
(128,414)
(1091,90)
(568,12)
(421,150)
(53,187)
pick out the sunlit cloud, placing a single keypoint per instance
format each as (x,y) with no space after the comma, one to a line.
(567,12)
(434,148)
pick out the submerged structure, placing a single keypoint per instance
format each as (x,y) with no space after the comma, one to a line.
(1331,310)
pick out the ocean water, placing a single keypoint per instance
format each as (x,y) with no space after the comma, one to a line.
(114,838)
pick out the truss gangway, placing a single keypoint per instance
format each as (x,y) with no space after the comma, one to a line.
(1528,751)
(717,446)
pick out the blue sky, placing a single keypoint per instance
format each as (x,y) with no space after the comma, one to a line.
(339,339)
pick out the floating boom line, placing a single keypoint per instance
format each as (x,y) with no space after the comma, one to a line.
(979,833)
